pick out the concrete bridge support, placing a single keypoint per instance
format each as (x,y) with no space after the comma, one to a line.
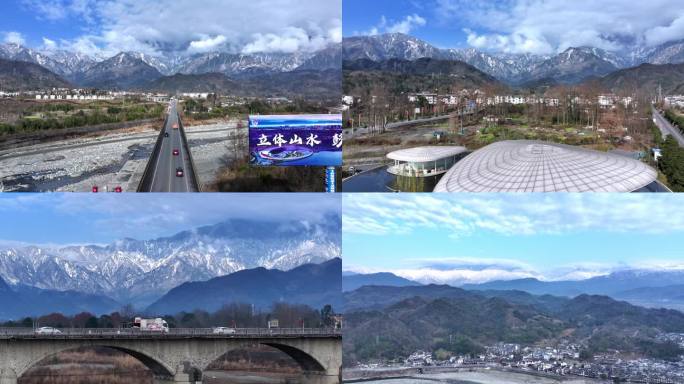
(178,359)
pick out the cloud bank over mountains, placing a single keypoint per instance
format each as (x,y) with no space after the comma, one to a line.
(185,27)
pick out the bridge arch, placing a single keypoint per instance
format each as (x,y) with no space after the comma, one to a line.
(159,369)
(306,362)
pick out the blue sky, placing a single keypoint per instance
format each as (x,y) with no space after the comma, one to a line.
(521,26)
(106,27)
(82,218)
(460,238)
(21,18)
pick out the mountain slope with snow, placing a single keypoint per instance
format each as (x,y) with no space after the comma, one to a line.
(139,271)
(570,66)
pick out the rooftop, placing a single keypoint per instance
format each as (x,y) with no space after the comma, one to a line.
(425,154)
(535,166)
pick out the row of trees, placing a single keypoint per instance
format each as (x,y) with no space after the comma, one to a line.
(82,119)
(233,315)
(671,163)
(211,108)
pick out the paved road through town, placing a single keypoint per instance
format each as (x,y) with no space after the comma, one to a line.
(666,128)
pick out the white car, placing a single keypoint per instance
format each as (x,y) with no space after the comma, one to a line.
(48,331)
(223,331)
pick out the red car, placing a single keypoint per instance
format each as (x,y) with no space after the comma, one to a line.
(118,189)
(179,172)
(95,189)
(176,151)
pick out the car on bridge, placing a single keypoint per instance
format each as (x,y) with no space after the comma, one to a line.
(176,152)
(179,172)
(166,134)
(175,126)
(47,331)
(223,331)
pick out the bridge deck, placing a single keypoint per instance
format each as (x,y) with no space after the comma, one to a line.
(174,333)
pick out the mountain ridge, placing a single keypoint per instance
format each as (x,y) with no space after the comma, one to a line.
(573,64)
(140,271)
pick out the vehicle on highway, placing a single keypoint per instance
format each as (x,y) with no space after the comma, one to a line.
(151,325)
(47,331)
(179,172)
(223,331)
(166,134)
(176,151)
(175,126)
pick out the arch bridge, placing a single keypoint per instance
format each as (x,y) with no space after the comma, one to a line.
(179,356)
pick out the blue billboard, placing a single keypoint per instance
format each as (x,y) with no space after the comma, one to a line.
(288,140)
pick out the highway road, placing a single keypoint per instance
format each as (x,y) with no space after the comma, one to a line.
(171,155)
(666,128)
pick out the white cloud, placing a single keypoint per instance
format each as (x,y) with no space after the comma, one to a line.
(409,23)
(14,38)
(206,44)
(663,34)
(457,272)
(185,26)
(525,214)
(406,25)
(48,44)
(550,26)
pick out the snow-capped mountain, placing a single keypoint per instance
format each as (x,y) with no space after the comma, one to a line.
(232,64)
(667,53)
(161,64)
(140,271)
(60,62)
(573,64)
(85,70)
(388,46)
(328,58)
(70,63)
(123,71)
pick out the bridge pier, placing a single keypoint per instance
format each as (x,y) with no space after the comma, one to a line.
(178,378)
(317,378)
(8,376)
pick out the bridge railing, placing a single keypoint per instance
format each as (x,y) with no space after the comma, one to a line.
(173,332)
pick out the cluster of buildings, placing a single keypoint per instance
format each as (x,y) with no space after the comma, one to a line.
(471,99)
(4,95)
(89,94)
(564,360)
(674,101)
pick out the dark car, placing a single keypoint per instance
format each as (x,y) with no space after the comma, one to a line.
(176,151)
(166,134)
(179,172)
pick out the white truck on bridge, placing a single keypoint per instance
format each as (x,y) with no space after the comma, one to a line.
(151,325)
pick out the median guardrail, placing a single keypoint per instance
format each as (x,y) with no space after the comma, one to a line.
(195,180)
(145,182)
